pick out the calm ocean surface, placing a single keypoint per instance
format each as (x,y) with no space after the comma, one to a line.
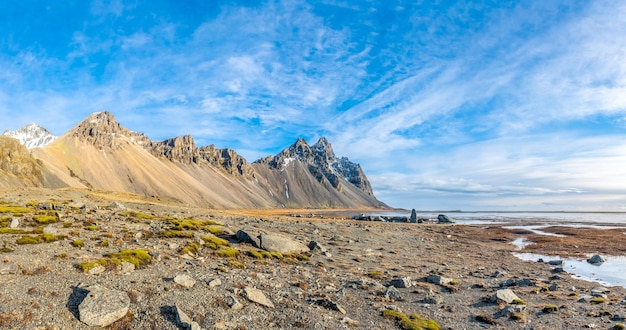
(582,218)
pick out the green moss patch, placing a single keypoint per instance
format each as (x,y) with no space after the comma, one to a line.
(78,243)
(137,257)
(214,243)
(227,252)
(16,210)
(137,215)
(36,239)
(412,322)
(191,248)
(46,219)
(177,233)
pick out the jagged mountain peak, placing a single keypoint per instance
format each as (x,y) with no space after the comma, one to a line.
(102,130)
(32,136)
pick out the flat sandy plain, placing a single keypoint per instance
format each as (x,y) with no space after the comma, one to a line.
(447,274)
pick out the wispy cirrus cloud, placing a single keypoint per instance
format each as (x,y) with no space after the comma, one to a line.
(456,104)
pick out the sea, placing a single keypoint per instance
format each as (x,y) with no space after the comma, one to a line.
(610,273)
(617,219)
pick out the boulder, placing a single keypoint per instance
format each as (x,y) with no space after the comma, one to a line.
(413,218)
(257,296)
(442,218)
(102,306)
(313,245)
(596,259)
(247,236)
(273,242)
(392,294)
(505,295)
(185,280)
(439,280)
(117,206)
(15,222)
(403,282)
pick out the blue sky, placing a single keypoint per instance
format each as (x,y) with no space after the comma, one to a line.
(473,105)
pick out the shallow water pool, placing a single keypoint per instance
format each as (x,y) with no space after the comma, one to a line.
(610,273)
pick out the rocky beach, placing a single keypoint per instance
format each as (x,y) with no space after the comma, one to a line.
(78,259)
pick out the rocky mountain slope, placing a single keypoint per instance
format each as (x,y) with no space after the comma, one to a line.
(301,170)
(19,169)
(32,136)
(100,153)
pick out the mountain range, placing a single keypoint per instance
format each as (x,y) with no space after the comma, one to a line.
(99,153)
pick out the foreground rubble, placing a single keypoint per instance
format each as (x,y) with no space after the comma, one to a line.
(76,260)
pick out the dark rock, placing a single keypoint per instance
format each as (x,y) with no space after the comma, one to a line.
(442,218)
(596,260)
(403,282)
(392,294)
(413,218)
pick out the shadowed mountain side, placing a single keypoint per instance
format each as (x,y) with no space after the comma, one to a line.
(19,169)
(295,187)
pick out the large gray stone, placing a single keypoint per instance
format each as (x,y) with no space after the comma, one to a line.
(102,306)
(392,294)
(185,280)
(273,242)
(117,206)
(257,296)
(505,295)
(439,280)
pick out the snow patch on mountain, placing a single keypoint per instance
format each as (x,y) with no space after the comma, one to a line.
(32,136)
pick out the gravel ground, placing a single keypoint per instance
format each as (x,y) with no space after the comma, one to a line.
(448,274)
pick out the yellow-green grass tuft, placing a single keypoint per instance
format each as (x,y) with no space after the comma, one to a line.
(16,210)
(137,257)
(46,219)
(214,243)
(191,248)
(177,233)
(236,264)
(78,243)
(413,322)
(227,252)
(137,215)
(36,239)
